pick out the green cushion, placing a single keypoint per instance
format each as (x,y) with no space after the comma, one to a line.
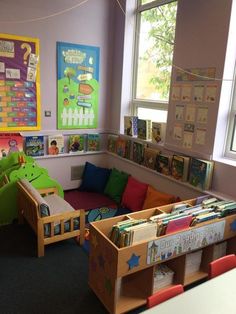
(116,184)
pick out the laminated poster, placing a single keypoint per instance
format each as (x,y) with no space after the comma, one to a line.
(19,83)
(77,86)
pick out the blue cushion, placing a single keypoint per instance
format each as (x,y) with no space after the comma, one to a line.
(94,178)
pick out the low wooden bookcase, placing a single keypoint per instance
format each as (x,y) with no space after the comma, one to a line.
(122,278)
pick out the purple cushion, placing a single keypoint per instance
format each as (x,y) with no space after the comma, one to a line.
(87,200)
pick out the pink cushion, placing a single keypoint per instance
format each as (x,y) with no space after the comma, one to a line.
(87,200)
(134,194)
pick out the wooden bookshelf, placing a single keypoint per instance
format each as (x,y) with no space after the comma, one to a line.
(123,278)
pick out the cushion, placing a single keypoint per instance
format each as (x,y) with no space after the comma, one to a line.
(94,178)
(156,198)
(116,185)
(88,200)
(134,194)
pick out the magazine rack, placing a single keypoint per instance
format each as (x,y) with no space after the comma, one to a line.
(123,278)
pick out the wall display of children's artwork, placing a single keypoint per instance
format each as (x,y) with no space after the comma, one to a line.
(211,91)
(179,112)
(201,136)
(175,92)
(186,92)
(178,130)
(77,86)
(202,113)
(19,83)
(169,246)
(188,140)
(198,91)
(190,113)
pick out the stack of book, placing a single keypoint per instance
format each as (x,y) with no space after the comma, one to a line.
(163,276)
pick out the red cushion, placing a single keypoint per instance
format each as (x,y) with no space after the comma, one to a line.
(87,200)
(134,194)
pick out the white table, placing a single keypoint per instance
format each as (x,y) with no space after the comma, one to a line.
(215,296)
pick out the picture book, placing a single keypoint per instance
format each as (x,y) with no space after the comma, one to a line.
(128,149)
(180,167)
(163,164)
(111,143)
(76,143)
(131,125)
(93,142)
(178,224)
(138,151)
(158,132)
(144,129)
(10,142)
(200,173)
(150,156)
(120,146)
(34,145)
(55,144)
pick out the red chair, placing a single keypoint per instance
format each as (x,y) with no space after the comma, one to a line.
(163,295)
(221,265)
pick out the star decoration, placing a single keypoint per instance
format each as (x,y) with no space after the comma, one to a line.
(108,285)
(94,241)
(133,261)
(233,226)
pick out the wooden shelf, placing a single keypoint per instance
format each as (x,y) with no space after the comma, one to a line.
(123,286)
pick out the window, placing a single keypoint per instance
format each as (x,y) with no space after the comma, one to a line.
(155,33)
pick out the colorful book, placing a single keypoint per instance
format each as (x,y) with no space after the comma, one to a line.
(150,156)
(158,132)
(144,129)
(138,152)
(200,173)
(76,143)
(163,164)
(34,145)
(10,142)
(180,167)
(93,142)
(131,125)
(128,149)
(55,144)
(120,146)
(111,143)
(178,224)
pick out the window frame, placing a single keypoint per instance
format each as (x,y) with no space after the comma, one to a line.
(144,103)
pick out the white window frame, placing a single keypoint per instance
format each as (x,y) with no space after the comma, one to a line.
(139,103)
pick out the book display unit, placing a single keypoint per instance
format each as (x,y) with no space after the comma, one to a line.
(123,278)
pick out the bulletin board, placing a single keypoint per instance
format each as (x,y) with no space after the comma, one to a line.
(19,83)
(77,86)
(193,100)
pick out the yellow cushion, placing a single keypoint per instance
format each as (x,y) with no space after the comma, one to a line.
(156,198)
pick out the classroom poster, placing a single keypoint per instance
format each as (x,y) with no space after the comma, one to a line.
(77,86)
(19,83)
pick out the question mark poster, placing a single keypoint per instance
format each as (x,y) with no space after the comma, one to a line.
(19,83)
(77,86)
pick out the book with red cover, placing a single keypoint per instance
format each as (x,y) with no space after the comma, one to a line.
(10,142)
(178,224)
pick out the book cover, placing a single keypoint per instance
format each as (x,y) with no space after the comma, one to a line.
(111,143)
(178,224)
(138,151)
(131,125)
(10,142)
(144,129)
(150,156)
(120,147)
(180,167)
(158,132)
(128,149)
(93,142)
(55,144)
(163,163)
(200,173)
(76,143)
(34,145)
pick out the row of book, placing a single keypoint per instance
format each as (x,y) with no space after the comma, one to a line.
(198,172)
(144,129)
(180,217)
(40,145)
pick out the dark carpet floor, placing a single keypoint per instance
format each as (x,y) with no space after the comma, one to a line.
(55,283)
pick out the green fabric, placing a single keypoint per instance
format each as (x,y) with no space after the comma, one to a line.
(116,185)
